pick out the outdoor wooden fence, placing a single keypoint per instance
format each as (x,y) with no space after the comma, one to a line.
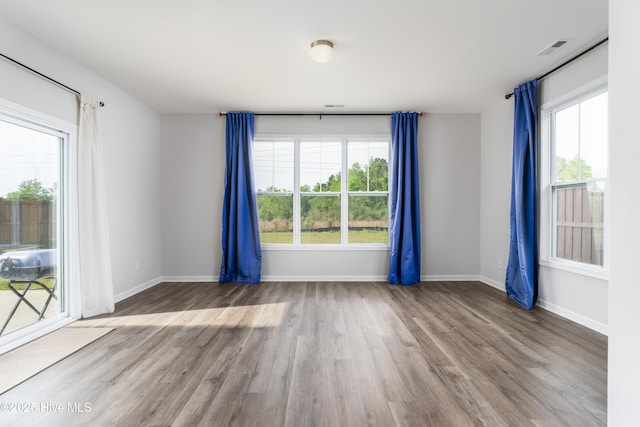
(26,223)
(579,222)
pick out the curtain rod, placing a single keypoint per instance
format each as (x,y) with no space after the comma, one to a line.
(38,73)
(509,95)
(224,113)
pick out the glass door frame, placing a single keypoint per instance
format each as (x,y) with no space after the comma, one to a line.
(66,225)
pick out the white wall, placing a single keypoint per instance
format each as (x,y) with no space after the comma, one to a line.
(193,174)
(624,151)
(193,158)
(575,296)
(130,135)
(131,139)
(450,173)
(495,182)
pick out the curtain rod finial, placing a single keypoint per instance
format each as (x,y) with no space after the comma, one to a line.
(508,96)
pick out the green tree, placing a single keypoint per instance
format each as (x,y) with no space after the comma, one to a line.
(272,208)
(320,211)
(32,190)
(357,178)
(368,208)
(334,183)
(568,170)
(276,211)
(378,175)
(371,177)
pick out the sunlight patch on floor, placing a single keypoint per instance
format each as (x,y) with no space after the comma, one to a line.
(255,316)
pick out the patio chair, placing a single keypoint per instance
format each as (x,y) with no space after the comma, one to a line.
(28,267)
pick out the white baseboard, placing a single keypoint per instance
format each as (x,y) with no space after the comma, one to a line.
(452,278)
(575,317)
(323,278)
(189,279)
(560,311)
(135,290)
(170,279)
(494,284)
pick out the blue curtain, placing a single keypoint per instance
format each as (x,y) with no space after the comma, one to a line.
(521,281)
(404,222)
(241,253)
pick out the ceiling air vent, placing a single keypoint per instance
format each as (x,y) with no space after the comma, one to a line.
(557,44)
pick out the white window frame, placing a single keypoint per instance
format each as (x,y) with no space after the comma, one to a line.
(67,223)
(547,167)
(344,193)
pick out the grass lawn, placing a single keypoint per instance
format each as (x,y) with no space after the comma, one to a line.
(355,236)
(48,282)
(368,236)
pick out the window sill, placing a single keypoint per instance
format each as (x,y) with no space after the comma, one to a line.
(332,248)
(576,268)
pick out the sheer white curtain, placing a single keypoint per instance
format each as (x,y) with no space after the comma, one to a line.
(96,283)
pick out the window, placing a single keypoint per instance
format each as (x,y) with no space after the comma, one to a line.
(273,166)
(320,192)
(368,187)
(578,179)
(31,223)
(303,199)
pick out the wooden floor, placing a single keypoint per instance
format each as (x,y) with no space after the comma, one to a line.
(324,354)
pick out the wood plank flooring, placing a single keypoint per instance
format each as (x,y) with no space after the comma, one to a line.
(324,354)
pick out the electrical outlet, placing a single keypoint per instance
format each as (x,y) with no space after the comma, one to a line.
(499,263)
(137,265)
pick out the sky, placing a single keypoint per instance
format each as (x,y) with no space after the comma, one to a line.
(273,161)
(26,154)
(583,128)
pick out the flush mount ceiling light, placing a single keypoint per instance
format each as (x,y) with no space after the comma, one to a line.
(321,50)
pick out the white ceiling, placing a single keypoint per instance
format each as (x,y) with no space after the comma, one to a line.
(201,56)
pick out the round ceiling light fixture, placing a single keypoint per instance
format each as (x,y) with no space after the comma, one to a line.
(321,50)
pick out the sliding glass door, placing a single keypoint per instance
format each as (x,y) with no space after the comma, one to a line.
(31,218)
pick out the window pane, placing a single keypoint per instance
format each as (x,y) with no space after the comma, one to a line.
(368,219)
(275,218)
(320,166)
(567,144)
(29,182)
(273,166)
(579,219)
(593,137)
(368,166)
(320,219)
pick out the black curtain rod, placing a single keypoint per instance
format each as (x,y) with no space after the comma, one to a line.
(38,73)
(509,95)
(319,114)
